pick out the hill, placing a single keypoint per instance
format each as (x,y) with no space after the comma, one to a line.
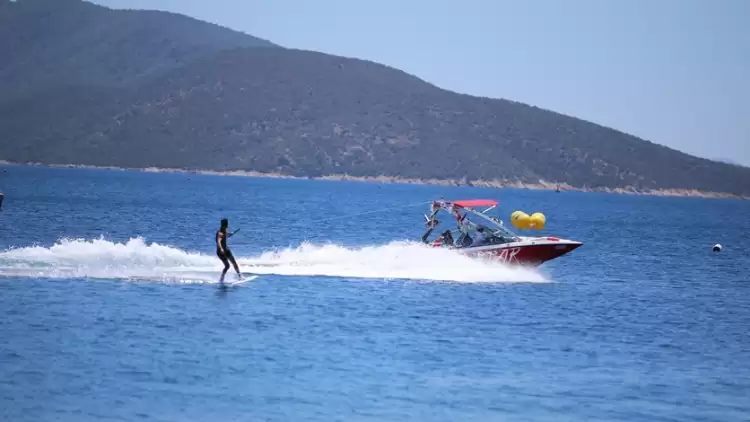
(229,104)
(66,42)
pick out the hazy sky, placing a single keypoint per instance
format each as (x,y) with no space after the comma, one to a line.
(675,72)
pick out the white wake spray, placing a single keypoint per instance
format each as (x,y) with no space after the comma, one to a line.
(135,259)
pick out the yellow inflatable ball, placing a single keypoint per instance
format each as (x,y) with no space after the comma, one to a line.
(520,220)
(537,221)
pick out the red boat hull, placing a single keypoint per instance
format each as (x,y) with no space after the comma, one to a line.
(529,251)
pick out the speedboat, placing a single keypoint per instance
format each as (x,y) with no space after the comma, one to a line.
(489,238)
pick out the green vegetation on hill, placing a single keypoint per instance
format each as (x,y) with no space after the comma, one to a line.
(49,43)
(90,85)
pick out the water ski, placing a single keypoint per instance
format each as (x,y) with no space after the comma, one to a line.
(244,279)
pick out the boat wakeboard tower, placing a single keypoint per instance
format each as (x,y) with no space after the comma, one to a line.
(489,238)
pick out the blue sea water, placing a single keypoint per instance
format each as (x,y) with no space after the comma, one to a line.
(110,308)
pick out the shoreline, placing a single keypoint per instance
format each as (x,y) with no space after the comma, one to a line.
(498,184)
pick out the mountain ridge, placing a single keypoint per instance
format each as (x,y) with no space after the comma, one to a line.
(242,105)
(54,42)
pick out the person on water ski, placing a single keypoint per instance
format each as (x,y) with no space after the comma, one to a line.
(224,254)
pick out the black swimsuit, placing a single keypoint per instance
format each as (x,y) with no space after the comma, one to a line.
(223,246)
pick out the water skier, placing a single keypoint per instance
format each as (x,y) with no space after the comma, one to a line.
(224,254)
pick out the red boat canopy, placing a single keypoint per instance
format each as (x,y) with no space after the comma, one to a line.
(476,203)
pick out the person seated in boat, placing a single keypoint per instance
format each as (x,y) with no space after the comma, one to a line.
(444,239)
(482,237)
(464,227)
(465,240)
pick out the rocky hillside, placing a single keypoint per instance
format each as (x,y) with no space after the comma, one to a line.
(50,43)
(89,85)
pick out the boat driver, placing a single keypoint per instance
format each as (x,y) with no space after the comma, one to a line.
(482,236)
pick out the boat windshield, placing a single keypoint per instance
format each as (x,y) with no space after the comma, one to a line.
(473,220)
(498,228)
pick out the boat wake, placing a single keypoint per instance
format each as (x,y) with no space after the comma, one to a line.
(138,260)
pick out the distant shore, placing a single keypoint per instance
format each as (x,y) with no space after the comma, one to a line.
(541,185)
